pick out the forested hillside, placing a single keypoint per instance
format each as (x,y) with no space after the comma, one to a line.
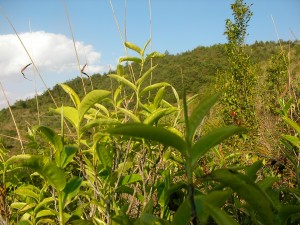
(196,70)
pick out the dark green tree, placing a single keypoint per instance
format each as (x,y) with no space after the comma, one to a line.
(239,79)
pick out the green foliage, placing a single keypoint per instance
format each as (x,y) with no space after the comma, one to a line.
(139,154)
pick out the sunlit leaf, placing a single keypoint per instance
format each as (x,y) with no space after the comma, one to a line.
(158,97)
(292,124)
(144,48)
(154,86)
(45,212)
(99,122)
(43,203)
(199,113)
(216,136)
(130,114)
(145,75)
(90,100)
(102,108)
(74,97)
(158,134)
(103,154)
(26,191)
(130,59)
(133,47)
(70,113)
(154,116)
(47,169)
(51,136)
(81,222)
(294,140)
(123,80)
(131,178)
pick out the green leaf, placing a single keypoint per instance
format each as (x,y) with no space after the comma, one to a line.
(183,214)
(123,80)
(145,75)
(247,190)
(44,202)
(70,113)
(130,114)
(158,97)
(154,86)
(289,152)
(133,47)
(220,216)
(67,155)
(45,212)
(267,182)
(154,116)
(292,124)
(54,175)
(71,189)
(294,140)
(130,59)
(104,154)
(206,142)
(158,134)
(214,198)
(251,170)
(24,222)
(74,97)
(286,211)
(99,122)
(81,222)
(27,192)
(145,46)
(120,69)
(155,55)
(102,108)
(47,169)
(199,113)
(17,205)
(90,100)
(149,219)
(50,135)
(131,178)
(28,207)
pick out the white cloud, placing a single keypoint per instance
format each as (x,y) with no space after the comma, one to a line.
(51,53)
(54,56)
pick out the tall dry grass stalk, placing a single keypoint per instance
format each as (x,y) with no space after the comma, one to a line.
(121,34)
(73,39)
(13,118)
(287,64)
(35,88)
(151,43)
(33,63)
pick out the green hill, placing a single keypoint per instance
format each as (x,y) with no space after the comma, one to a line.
(196,68)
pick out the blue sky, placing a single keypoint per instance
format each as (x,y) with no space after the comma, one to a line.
(177,26)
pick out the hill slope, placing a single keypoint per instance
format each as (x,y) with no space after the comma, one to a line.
(196,68)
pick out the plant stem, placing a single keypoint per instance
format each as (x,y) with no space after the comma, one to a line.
(191,191)
(60,208)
